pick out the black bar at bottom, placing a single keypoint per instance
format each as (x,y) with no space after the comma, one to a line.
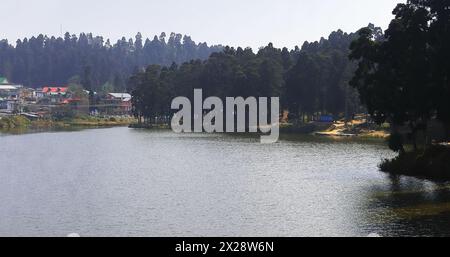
(204,246)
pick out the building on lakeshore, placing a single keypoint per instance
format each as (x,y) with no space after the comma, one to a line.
(9,95)
(27,94)
(8,89)
(50,95)
(39,93)
(55,91)
(117,104)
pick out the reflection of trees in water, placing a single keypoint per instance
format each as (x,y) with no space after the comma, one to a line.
(407,207)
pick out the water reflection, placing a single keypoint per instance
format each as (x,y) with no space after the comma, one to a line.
(121,182)
(410,207)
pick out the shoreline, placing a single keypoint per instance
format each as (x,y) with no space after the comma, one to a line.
(429,164)
(326,130)
(20,123)
(354,129)
(315,129)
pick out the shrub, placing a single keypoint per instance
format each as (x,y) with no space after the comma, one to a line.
(14,122)
(431,163)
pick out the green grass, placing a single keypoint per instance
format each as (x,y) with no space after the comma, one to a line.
(14,122)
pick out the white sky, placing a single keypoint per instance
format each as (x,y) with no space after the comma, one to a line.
(243,23)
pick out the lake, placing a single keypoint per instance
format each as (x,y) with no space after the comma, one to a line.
(126,182)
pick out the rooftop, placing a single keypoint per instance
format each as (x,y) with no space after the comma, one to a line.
(3,80)
(8,87)
(122,96)
(55,89)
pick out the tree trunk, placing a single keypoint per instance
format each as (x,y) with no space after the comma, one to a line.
(447,131)
(413,135)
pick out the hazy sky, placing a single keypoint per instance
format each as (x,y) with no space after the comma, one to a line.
(244,23)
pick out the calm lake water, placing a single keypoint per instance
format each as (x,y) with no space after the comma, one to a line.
(125,182)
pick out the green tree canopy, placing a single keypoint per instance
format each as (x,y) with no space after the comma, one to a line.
(403,77)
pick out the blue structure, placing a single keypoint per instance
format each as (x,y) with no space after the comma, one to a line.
(326,118)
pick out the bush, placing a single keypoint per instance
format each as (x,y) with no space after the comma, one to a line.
(14,122)
(431,164)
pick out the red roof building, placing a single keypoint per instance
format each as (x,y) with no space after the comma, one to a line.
(55,90)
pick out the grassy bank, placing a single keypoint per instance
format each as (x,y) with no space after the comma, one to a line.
(20,122)
(14,122)
(355,128)
(358,129)
(97,121)
(431,163)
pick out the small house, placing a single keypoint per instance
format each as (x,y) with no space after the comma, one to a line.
(118,103)
(7,89)
(55,94)
(9,94)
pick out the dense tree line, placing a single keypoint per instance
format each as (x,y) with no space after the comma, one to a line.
(319,80)
(403,77)
(309,81)
(91,60)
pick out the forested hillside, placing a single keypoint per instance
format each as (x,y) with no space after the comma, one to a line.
(92,60)
(310,80)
